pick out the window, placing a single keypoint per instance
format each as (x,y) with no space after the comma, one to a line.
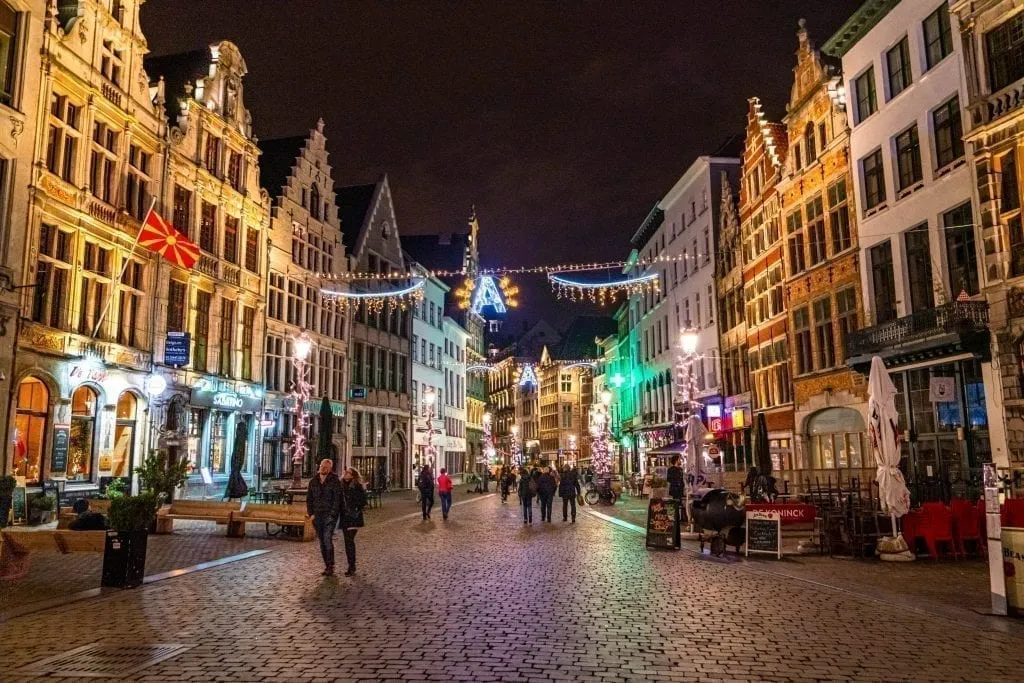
(1004,46)
(381,369)
(129,303)
(566,416)
(565,381)
(248,320)
(864,87)
(8,52)
(62,143)
(314,202)
(1009,195)
(919,268)
(908,158)
(797,258)
(846,310)
(183,210)
(883,282)
(94,286)
(707,246)
(897,60)
(958,227)
(816,231)
(202,327)
(110,62)
(949,145)
(824,337)
(31,427)
(175,306)
(802,337)
(103,162)
(82,442)
(231,239)
(211,153)
(1016,232)
(252,253)
(810,148)
(839,217)
(938,38)
(822,136)
(53,277)
(208,228)
(235,169)
(137,197)
(227,336)
(874,179)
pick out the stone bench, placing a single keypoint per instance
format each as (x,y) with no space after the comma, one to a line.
(203,510)
(285,516)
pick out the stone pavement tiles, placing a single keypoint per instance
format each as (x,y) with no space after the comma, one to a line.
(485,598)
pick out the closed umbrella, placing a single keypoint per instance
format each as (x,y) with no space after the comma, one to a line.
(323,444)
(695,431)
(237,488)
(885,441)
(762,454)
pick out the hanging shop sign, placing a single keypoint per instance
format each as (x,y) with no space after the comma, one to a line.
(59,451)
(357,393)
(177,348)
(216,393)
(312,406)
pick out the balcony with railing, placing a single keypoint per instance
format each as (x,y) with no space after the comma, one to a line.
(956,327)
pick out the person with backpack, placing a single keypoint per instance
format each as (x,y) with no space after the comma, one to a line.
(568,489)
(546,488)
(425,484)
(444,490)
(527,490)
(353,500)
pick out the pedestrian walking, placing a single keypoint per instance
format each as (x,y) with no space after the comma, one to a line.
(323,503)
(568,489)
(546,490)
(444,491)
(353,500)
(527,490)
(507,481)
(674,476)
(425,484)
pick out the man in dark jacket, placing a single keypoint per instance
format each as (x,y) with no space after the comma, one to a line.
(323,502)
(546,491)
(568,489)
(674,476)
(425,483)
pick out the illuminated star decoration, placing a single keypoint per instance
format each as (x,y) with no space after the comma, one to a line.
(600,292)
(527,376)
(487,292)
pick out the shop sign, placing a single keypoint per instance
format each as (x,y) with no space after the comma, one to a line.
(312,406)
(216,393)
(177,348)
(56,189)
(357,393)
(789,513)
(59,452)
(86,373)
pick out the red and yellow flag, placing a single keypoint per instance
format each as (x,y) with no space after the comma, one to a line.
(160,236)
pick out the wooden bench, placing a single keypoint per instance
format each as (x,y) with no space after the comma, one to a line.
(204,510)
(290,518)
(63,541)
(67,515)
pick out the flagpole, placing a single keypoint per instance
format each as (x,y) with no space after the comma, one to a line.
(124,267)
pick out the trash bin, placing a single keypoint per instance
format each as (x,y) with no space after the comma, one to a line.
(124,559)
(1013,567)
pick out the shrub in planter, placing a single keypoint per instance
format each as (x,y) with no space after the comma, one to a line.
(117,488)
(7,484)
(158,474)
(124,555)
(41,509)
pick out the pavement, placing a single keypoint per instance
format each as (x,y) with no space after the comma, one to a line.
(484,597)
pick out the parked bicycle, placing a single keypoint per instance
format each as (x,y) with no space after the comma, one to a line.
(600,491)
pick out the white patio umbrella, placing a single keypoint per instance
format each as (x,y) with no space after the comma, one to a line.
(695,431)
(885,440)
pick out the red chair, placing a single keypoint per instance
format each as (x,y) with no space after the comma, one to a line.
(967,525)
(912,523)
(1012,513)
(938,529)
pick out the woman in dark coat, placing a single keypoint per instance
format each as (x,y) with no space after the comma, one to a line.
(546,489)
(526,492)
(425,483)
(568,489)
(353,500)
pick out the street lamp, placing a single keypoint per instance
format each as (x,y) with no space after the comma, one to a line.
(302,346)
(689,342)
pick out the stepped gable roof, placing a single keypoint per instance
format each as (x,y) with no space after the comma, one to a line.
(177,70)
(277,158)
(579,341)
(354,202)
(437,252)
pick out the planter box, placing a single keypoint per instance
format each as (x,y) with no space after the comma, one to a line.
(124,559)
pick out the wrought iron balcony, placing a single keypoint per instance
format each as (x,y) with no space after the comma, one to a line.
(962,324)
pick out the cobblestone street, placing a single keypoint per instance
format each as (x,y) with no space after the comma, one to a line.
(485,598)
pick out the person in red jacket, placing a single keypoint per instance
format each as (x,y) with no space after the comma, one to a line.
(444,490)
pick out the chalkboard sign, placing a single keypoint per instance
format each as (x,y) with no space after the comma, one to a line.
(59,452)
(764,532)
(663,523)
(19,506)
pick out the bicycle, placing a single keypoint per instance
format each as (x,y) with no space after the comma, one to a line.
(600,492)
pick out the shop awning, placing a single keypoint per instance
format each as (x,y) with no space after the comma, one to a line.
(669,449)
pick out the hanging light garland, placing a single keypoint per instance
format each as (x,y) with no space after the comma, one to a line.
(377,301)
(601,292)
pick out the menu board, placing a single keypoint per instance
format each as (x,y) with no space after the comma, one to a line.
(19,504)
(764,532)
(59,451)
(663,523)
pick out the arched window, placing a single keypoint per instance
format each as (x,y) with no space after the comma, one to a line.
(837,437)
(810,147)
(33,409)
(124,435)
(82,445)
(314,202)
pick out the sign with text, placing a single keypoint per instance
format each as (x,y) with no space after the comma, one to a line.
(764,532)
(789,513)
(177,348)
(357,392)
(663,523)
(19,503)
(59,452)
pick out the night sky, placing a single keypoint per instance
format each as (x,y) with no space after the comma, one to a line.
(563,122)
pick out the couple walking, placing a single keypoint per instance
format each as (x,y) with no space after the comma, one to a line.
(543,483)
(336,503)
(425,484)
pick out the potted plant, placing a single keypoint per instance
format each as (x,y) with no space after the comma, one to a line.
(161,475)
(117,488)
(659,487)
(41,509)
(7,484)
(124,555)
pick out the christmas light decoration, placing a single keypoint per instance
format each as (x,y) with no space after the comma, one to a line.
(480,368)
(377,301)
(600,436)
(517,452)
(601,293)
(301,391)
(527,376)
(487,452)
(486,294)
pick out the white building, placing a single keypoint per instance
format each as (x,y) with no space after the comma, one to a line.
(454,368)
(428,379)
(905,89)
(677,241)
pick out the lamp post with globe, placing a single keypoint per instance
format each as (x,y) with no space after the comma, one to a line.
(301,390)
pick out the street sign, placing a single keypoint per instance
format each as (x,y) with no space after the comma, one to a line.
(357,392)
(177,348)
